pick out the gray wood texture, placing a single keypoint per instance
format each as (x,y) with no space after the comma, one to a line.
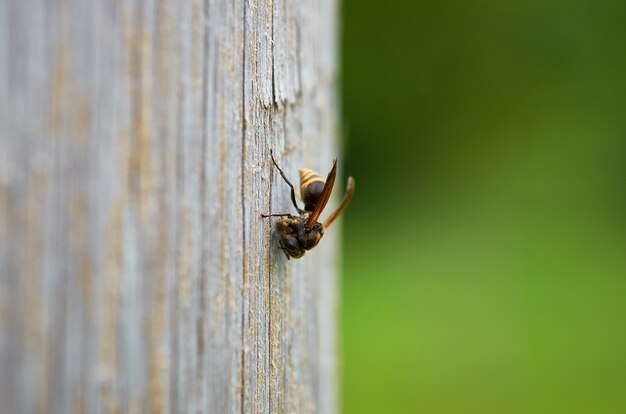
(136,274)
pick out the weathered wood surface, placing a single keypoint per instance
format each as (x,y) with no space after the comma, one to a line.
(136,272)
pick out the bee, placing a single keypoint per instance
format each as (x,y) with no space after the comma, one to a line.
(303,232)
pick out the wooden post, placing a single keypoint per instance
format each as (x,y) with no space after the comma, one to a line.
(136,274)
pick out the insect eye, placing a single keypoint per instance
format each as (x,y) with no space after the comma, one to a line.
(290,243)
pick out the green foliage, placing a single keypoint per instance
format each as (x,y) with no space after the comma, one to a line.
(485,249)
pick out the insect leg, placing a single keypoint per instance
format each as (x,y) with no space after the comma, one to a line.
(293,192)
(276,215)
(285,251)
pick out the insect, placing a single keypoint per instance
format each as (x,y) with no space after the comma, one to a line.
(301,233)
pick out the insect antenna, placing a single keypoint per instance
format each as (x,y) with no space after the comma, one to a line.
(346,199)
(293,192)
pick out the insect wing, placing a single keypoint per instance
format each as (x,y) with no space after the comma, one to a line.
(344,203)
(324,196)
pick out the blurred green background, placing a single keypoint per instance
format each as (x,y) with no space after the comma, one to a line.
(485,249)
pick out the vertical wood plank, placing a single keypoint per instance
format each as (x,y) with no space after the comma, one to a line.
(136,274)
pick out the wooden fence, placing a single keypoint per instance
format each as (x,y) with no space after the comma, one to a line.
(136,274)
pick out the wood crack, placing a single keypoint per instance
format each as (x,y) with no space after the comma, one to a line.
(243,208)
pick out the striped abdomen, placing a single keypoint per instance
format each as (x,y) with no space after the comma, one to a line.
(311,186)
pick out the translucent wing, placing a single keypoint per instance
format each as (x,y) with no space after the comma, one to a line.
(344,203)
(324,197)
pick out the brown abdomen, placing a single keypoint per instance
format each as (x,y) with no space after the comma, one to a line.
(311,186)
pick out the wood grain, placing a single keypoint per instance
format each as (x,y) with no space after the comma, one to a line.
(136,274)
